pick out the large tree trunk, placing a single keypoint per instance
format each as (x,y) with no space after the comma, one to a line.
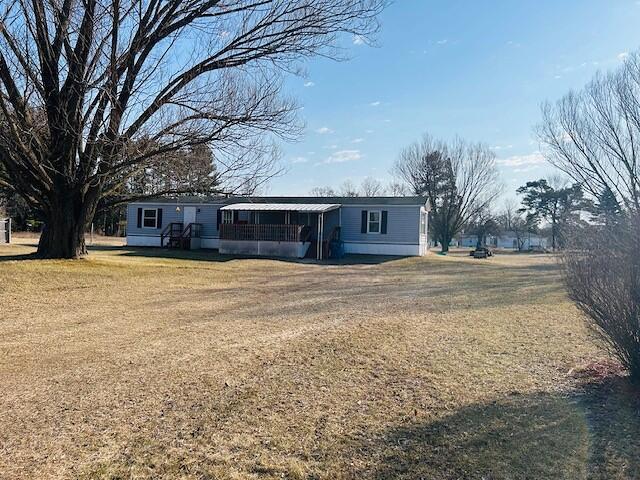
(444,244)
(63,233)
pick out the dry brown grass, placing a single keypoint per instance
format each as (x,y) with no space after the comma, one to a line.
(134,364)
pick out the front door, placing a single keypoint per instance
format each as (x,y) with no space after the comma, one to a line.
(189,216)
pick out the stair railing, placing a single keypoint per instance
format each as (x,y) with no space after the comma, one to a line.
(170,231)
(193,230)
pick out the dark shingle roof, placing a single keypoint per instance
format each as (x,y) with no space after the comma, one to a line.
(341,200)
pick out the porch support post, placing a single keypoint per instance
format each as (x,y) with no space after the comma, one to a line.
(321,235)
(318,240)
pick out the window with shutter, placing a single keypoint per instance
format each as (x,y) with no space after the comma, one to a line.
(374,221)
(150,218)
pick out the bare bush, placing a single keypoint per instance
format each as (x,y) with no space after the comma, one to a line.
(603,278)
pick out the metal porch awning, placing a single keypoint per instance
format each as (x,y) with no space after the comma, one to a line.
(283,207)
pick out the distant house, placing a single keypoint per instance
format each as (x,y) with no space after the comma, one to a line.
(283,226)
(508,240)
(5,230)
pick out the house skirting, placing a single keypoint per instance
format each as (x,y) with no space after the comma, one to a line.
(285,249)
(399,249)
(263,248)
(154,241)
(143,240)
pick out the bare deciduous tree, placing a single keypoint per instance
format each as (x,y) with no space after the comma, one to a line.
(459,178)
(511,219)
(371,187)
(348,189)
(397,189)
(83,83)
(594,135)
(323,192)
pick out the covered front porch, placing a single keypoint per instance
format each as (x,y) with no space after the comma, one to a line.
(279,230)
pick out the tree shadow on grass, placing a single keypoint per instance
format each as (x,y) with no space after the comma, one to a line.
(612,409)
(537,437)
(543,436)
(17,257)
(209,255)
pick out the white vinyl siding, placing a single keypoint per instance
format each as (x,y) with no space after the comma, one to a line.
(403,225)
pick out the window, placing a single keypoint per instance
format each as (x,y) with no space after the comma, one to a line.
(150,218)
(227,216)
(373,225)
(423,223)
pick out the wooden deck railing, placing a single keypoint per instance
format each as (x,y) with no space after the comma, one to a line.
(271,233)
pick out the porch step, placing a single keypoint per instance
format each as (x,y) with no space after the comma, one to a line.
(313,249)
(175,242)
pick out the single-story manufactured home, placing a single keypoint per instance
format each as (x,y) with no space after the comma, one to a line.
(294,227)
(508,240)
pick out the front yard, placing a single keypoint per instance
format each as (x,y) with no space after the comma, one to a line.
(132,365)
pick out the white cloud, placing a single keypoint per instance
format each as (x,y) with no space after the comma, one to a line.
(342,156)
(368,131)
(531,159)
(299,160)
(358,40)
(623,55)
(525,169)
(330,147)
(309,84)
(324,130)
(357,140)
(444,41)
(502,147)
(375,104)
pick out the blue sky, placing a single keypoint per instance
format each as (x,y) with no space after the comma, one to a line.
(478,69)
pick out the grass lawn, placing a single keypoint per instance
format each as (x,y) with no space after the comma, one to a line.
(134,364)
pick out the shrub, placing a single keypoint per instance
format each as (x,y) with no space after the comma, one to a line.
(603,278)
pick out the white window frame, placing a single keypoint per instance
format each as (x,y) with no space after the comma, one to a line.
(379,222)
(423,223)
(227,217)
(155,218)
